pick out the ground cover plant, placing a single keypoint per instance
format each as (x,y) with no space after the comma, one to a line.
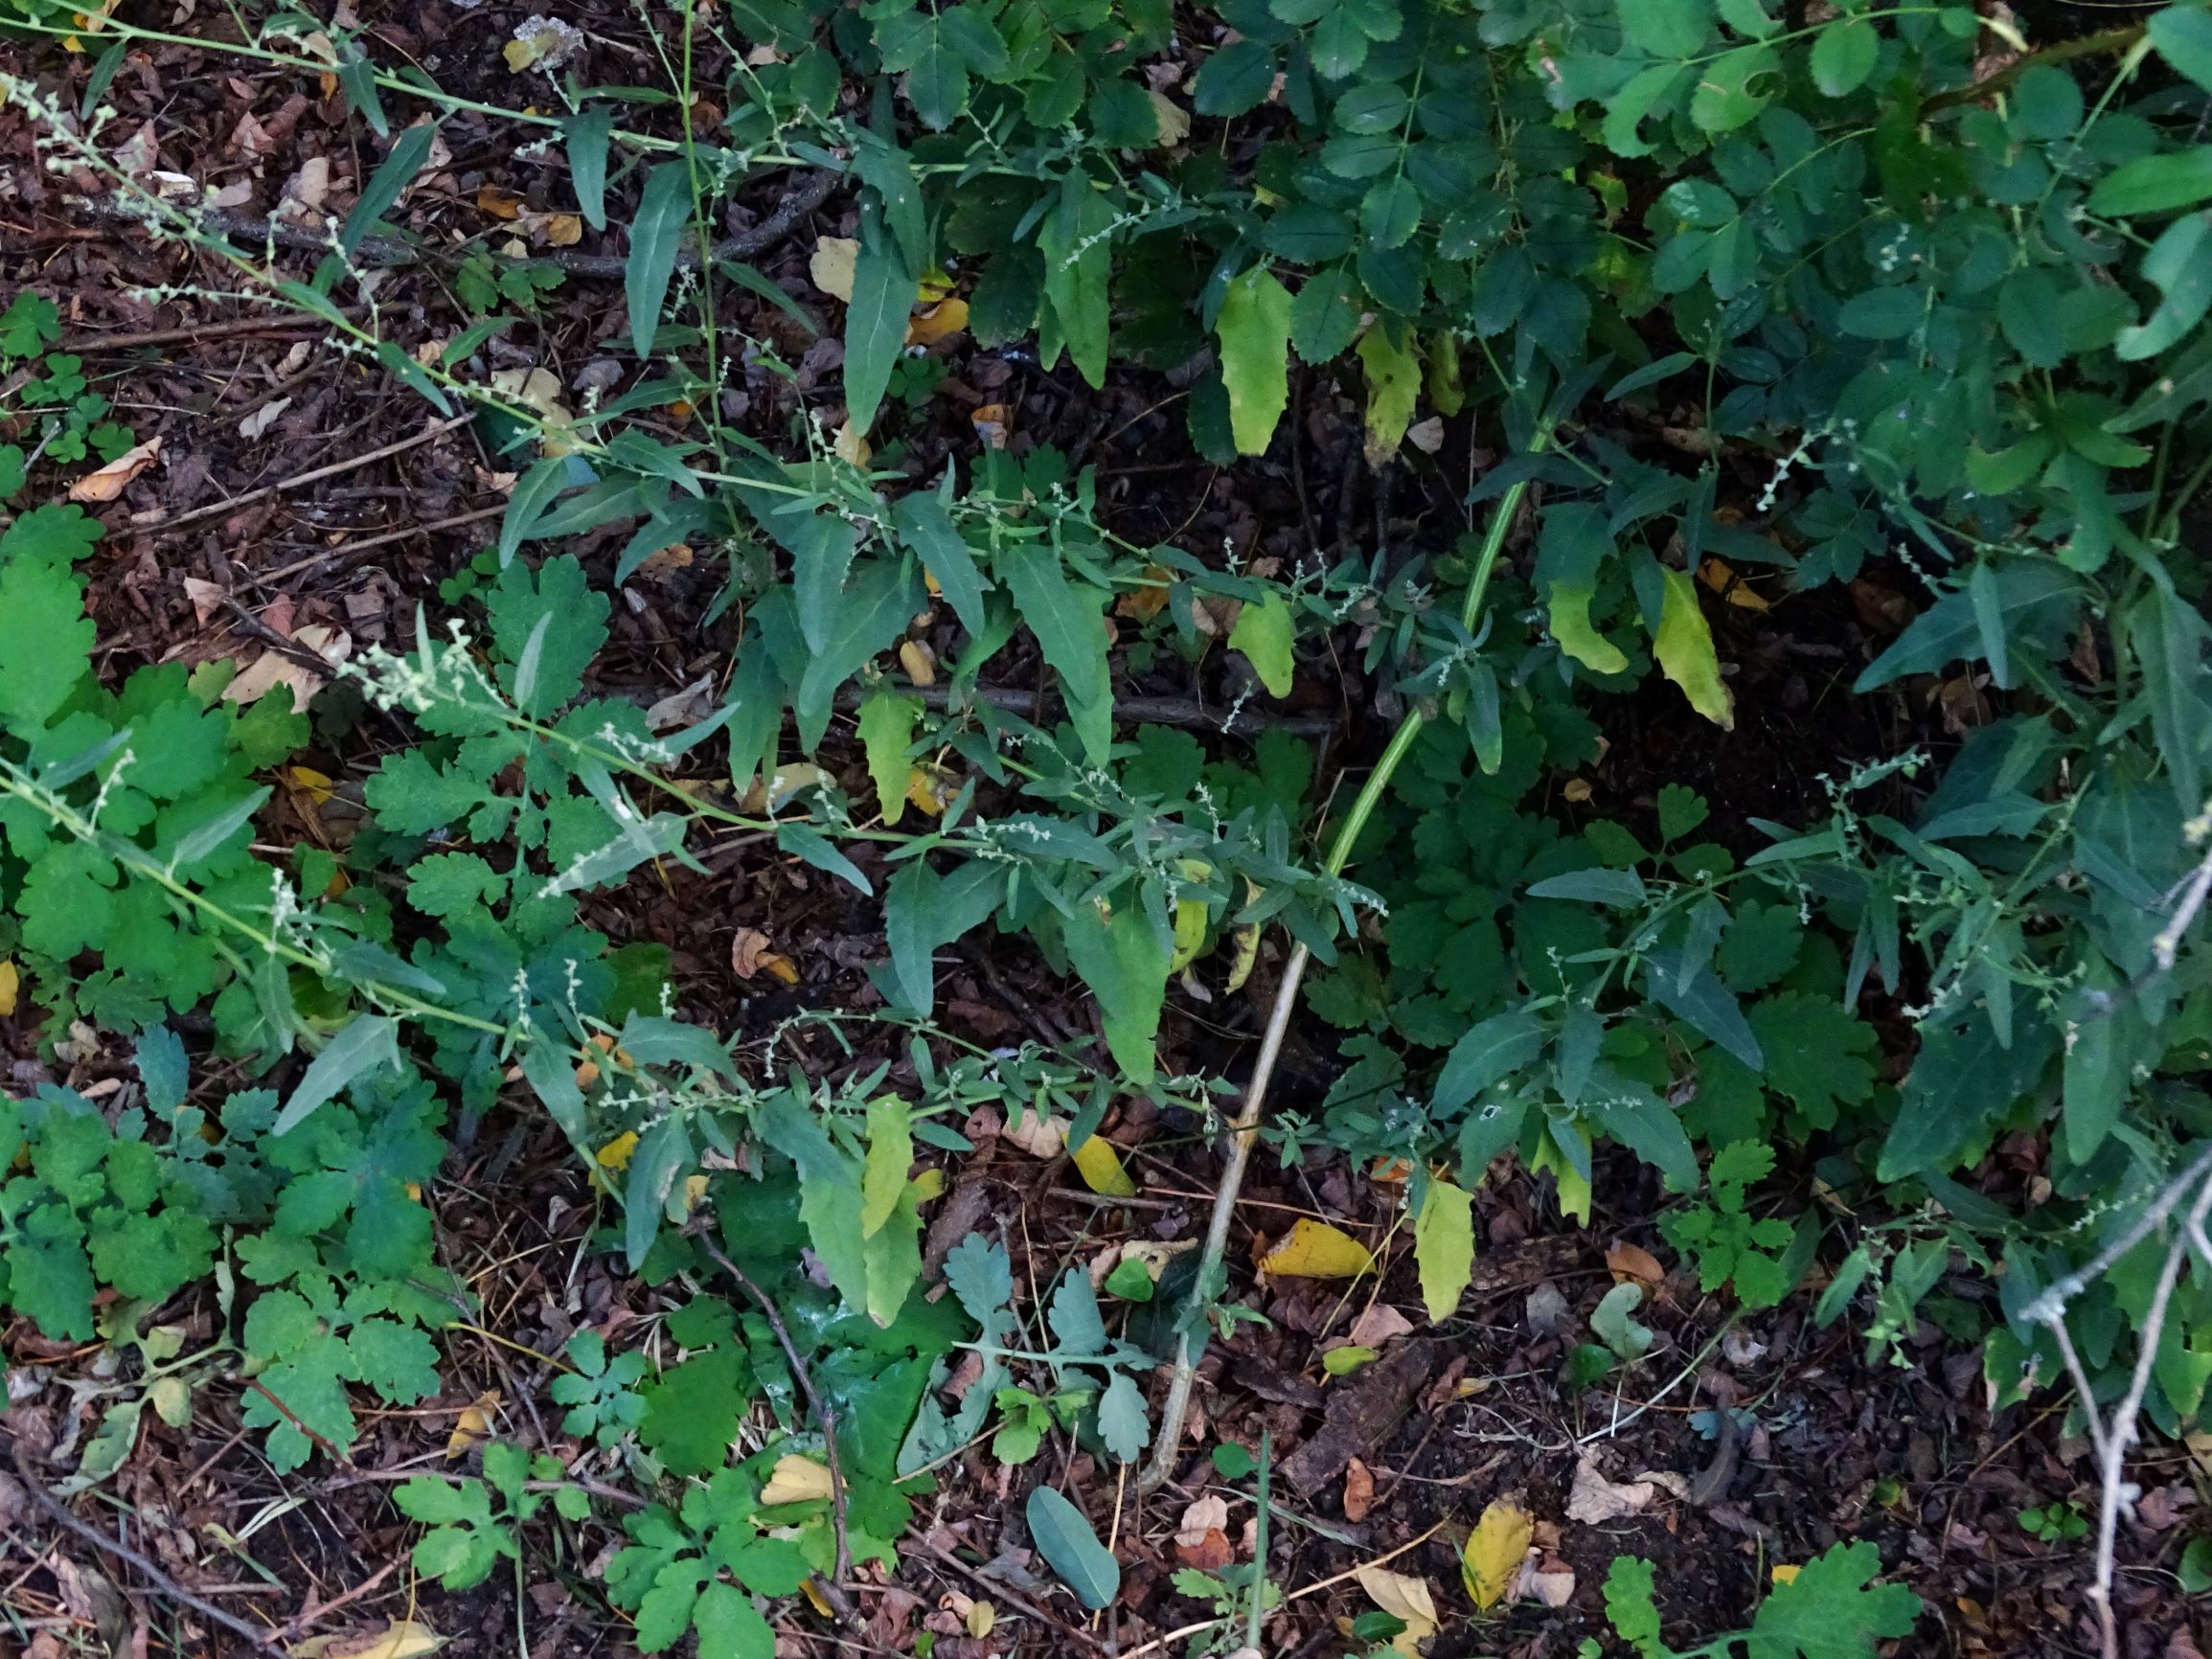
(1214,830)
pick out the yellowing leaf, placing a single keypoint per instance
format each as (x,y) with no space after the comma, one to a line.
(1254,330)
(1189,933)
(473,1427)
(616,1154)
(1403,1598)
(850,445)
(1101,1168)
(886,727)
(1262,633)
(890,1155)
(1344,1361)
(931,789)
(1570,625)
(1684,649)
(1444,1247)
(832,266)
(816,1599)
(400,1638)
(11,987)
(1444,391)
(1574,1186)
(981,1617)
(1316,1250)
(1785,1574)
(1494,1551)
(946,317)
(1392,383)
(796,1480)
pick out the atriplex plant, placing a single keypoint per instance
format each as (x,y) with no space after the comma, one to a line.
(1884,290)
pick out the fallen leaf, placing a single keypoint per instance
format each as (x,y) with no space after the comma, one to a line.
(538,390)
(980,1617)
(1101,1168)
(774,792)
(500,204)
(1359,1491)
(946,318)
(1716,575)
(273,669)
(1594,1498)
(1632,1262)
(400,1638)
(562,230)
(1491,1563)
(1145,602)
(1378,1325)
(1403,1598)
(106,484)
(920,664)
(1550,1581)
(832,266)
(1207,1514)
(993,424)
(1345,1359)
(1427,436)
(473,1427)
(1785,1574)
(1316,1250)
(616,1154)
(750,953)
(796,1480)
(1174,121)
(1039,1137)
(851,448)
(542,43)
(930,787)
(11,987)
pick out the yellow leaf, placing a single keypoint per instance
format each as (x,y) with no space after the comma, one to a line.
(796,1480)
(945,318)
(1570,625)
(1494,1551)
(1444,1248)
(1189,933)
(981,1616)
(930,787)
(615,1154)
(562,230)
(11,985)
(816,1599)
(473,1427)
(1316,1250)
(934,286)
(928,1185)
(832,266)
(400,1638)
(695,1189)
(853,448)
(1406,1599)
(1574,1185)
(1785,1575)
(1683,646)
(1101,1168)
(317,786)
(1392,382)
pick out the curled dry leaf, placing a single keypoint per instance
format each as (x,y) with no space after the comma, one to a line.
(1039,1137)
(1403,1597)
(106,484)
(1547,1579)
(273,667)
(1378,1325)
(1208,1515)
(1594,1498)
(796,1480)
(751,952)
(1632,1261)
(1359,1491)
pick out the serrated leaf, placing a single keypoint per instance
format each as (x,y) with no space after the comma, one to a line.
(1254,327)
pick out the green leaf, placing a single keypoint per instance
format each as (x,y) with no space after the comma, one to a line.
(1615,1323)
(1621,888)
(1444,1248)
(367,1041)
(1262,633)
(2183,37)
(692,1412)
(587,133)
(1843,55)
(2153,184)
(1068,619)
(1883,313)
(1254,327)
(926,527)
(886,726)
(1817,1053)
(45,637)
(554,619)
(664,213)
(1631,1608)
(1122,1424)
(1683,646)
(1681,809)
(1735,88)
(883,295)
(1570,614)
(1828,1612)
(1071,1548)
(2032,594)
(408,153)
(1325,315)
(1077,262)
(730,1626)
(2179,264)
(1234,81)
(1666,28)
(890,1155)
(1123,962)
(1500,1046)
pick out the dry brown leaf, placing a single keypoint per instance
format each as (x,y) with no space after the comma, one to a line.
(1039,1137)
(994,423)
(207,596)
(264,418)
(751,953)
(1207,1514)
(1378,1325)
(1427,436)
(919,661)
(273,667)
(1632,1263)
(1550,1581)
(1359,1491)
(500,204)
(400,1638)
(772,793)
(1144,603)
(1594,1498)
(106,484)
(562,230)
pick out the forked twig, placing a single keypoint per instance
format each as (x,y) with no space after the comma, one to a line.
(1245,1129)
(833,1590)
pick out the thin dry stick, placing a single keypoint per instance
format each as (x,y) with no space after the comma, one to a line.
(1245,1129)
(86,345)
(834,1591)
(298,480)
(258,1635)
